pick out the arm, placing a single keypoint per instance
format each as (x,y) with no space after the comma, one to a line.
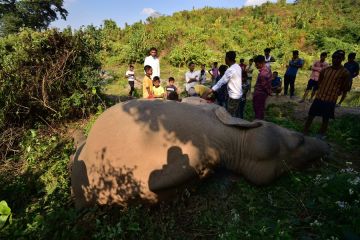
(272,59)
(210,72)
(315,68)
(356,71)
(224,80)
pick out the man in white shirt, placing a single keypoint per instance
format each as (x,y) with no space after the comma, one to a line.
(268,58)
(233,79)
(154,62)
(191,77)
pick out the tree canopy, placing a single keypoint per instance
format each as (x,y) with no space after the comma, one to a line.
(34,14)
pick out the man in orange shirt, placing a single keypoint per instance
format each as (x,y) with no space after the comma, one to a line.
(333,82)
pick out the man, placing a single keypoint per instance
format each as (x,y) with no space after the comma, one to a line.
(353,68)
(268,58)
(313,85)
(333,81)
(290,75)
(262,87)
(153,61)
(214,72)
(191,77)
(233,79)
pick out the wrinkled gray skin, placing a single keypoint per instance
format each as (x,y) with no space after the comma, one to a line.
(141,149)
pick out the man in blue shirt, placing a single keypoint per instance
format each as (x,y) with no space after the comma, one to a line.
(353,67)
(290,75)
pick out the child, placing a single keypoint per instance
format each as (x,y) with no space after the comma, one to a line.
(130,74)
(171,90)
(276,83)
(202,78)
(147,83)
(158,90)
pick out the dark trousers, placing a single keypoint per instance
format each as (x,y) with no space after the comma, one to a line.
(233,106)
(289,80)
(132,87)
(259,100)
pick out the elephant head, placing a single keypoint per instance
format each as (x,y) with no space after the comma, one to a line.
(266,150)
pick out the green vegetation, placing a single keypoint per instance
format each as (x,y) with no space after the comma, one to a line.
(35,14)
(50,79)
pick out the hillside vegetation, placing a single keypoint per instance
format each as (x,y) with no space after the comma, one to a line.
(203,35)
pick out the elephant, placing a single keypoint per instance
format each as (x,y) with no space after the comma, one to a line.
(141,149)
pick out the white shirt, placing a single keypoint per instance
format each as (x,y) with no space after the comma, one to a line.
(130,75)
(189,75)
(232,78)
(268,62)
(154,63)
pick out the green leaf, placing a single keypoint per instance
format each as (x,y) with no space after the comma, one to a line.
(5,213)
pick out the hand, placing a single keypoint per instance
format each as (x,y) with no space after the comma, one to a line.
(150,96)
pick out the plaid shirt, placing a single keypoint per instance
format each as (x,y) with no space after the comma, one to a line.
(332,83)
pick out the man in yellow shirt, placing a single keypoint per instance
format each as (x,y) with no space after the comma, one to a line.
(200,91)
(147,83)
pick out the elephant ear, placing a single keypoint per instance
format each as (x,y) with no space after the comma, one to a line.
(227,119)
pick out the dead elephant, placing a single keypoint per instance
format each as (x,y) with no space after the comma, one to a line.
(140,148)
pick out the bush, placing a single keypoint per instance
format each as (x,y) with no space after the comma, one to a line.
(48,75)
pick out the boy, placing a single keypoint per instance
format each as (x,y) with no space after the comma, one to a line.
(290,75)
(276,84)
(202,78)
(200,91)
(171,90)
(147,83)
(158,91)
(313,85)
(130,75)
(262,87)
(333,81)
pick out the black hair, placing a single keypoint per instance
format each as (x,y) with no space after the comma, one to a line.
(156,78)
(296,52)
(171,79)
(153,49)
(251,59)
(267,50)
(190,63)
(352,55)
(259,59)
(242,60)
(276,72)
(215,63)
(222,69)
(340,53)
(231,55)
(323,54)
(147,67)
(131,66)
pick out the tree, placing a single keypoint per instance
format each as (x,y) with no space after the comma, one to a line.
(35,14)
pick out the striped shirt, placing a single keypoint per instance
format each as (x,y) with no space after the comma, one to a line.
(332,83)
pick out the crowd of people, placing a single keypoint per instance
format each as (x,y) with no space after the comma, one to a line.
(230,84)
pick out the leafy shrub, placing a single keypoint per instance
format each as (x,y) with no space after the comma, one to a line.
(48,75)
